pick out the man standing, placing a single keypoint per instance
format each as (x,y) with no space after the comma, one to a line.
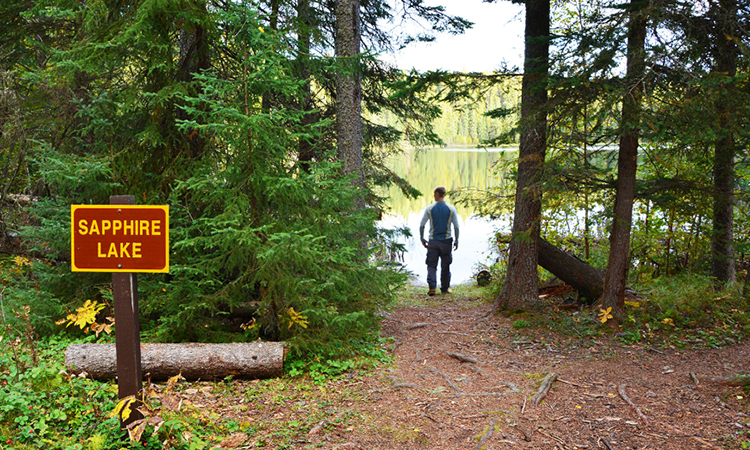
(441,215)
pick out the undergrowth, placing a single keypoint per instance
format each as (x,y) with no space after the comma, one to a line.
(683,311)
(45,407)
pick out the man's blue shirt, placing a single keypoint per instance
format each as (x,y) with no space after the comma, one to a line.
(441,215)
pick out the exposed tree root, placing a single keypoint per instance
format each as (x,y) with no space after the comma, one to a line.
(544,388)
(462,358)
(624,396)
(487,435)
(447,378)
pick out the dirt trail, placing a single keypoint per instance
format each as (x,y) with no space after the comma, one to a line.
(435,397)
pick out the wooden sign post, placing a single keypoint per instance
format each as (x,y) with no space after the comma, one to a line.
(123,239)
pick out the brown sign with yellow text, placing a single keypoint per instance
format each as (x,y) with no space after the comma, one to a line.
(119,238)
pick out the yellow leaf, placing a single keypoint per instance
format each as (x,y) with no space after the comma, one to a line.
(20,261)
(248,326)
(604,315)
(123,408)
(296,318)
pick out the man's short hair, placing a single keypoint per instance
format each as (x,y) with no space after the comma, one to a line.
(440,190)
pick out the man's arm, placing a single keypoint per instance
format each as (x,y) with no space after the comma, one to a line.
(425,218)
(454,220)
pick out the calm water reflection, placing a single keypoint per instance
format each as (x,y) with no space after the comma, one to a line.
(454,169)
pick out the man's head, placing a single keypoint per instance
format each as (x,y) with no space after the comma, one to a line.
(440,193)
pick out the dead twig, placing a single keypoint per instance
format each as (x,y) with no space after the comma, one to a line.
(624,396)
(462,358)
(544,388)
(571,383)
(606,444)
(414,326)
(694,377)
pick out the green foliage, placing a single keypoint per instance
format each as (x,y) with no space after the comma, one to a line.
(199,107)
(44,407)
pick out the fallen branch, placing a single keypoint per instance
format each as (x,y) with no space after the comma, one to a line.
(316,429)
(487,435)
(544,388)
(414,326)
(735,380)
(462,358)
(694,377)
(624,396)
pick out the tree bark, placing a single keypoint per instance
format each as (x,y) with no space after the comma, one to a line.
(520,290)
(584,278)
(722,248)
(194,361)
(627,163)
(304,18)
(349,92)
(194,58)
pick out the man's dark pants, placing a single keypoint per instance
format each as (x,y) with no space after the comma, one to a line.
(439,250)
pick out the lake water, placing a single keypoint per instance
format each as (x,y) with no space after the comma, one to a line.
(454,169)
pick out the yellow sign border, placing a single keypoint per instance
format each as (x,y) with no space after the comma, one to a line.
(73,267)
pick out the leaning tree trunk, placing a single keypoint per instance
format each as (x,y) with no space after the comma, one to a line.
(627,163)
(193,361)
(349,92)
(581,276)
(520,290)
(722,248)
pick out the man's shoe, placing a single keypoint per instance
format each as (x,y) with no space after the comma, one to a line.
(431,292)
(446,291)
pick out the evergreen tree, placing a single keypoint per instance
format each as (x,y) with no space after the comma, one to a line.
(520,287)
(627,162)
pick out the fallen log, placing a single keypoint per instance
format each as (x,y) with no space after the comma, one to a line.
(195,361)
(584,278)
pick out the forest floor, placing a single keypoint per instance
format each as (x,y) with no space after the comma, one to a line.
(463,380)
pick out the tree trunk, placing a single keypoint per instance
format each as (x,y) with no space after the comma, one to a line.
(195,57)
(722,248)
(349,92)
(306,149)
(193,361)
(627,163)
(584,278)
(520,290)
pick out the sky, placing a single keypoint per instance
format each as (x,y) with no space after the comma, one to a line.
(496,37)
